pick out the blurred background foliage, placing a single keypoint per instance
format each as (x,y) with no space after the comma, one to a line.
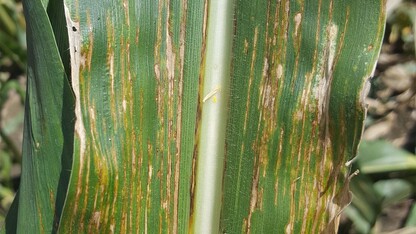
(383,190)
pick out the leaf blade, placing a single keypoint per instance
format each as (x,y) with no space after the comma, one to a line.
(301,117)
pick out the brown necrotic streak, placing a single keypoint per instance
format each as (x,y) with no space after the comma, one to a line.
(184,8)
(198,117)
(170,67)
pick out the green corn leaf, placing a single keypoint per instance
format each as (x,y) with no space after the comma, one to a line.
(194,116)
(296,116)
(48,127)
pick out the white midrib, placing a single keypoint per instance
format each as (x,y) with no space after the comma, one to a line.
(211,150)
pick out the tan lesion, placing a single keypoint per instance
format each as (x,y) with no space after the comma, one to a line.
(326,67)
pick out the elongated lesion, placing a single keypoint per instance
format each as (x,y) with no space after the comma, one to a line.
(326,82)
(75,55)
(74,38)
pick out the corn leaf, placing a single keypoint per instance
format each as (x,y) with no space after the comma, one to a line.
(196,116)
(48,127)
(296,111)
